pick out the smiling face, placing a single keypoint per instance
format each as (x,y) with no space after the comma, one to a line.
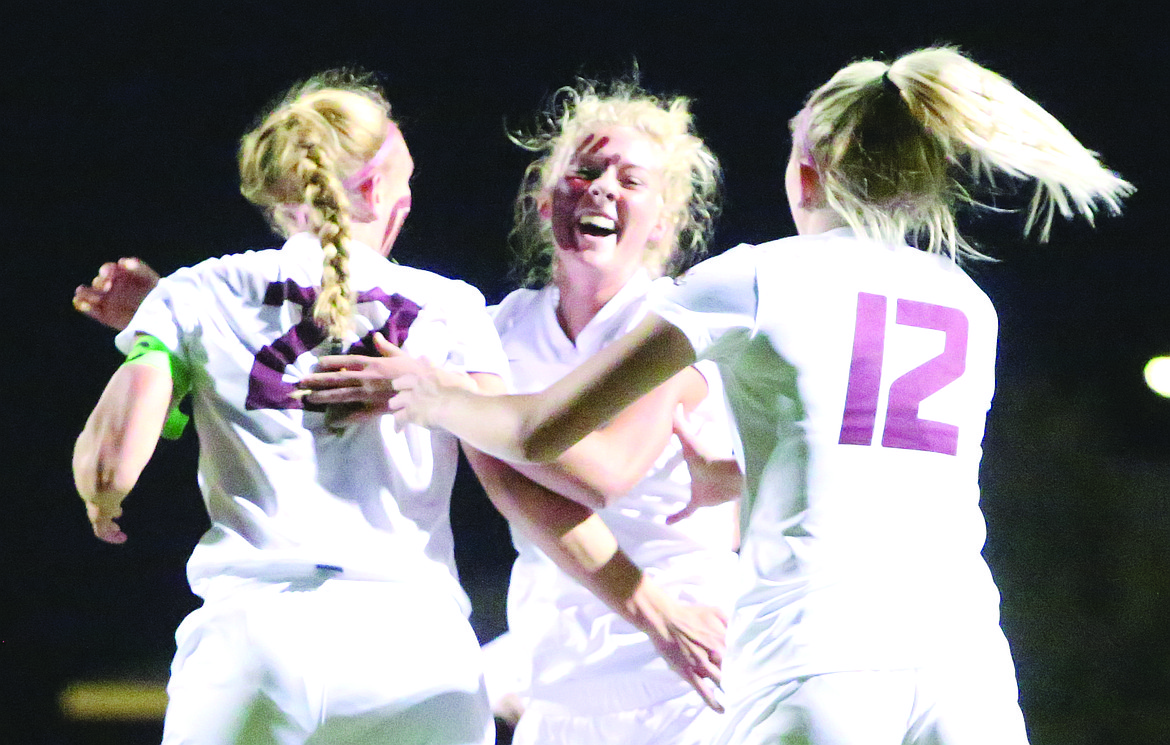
(606,208)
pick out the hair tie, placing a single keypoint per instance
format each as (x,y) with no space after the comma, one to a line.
(358,177)
(889,85)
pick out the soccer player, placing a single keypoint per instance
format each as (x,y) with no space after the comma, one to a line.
(331,610)
(622,192)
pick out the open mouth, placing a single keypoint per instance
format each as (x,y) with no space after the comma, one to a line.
(597,225)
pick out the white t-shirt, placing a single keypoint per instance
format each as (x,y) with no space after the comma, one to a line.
(860,376)
(578,641)
(288,495)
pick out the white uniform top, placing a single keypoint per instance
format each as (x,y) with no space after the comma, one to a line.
(859,376)
(578,641)
(289,497)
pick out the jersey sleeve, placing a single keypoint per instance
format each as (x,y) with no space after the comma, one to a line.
(169,313)
(165,317)
(714,304)
(712,415)
(473,343)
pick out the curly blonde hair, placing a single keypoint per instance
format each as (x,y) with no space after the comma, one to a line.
(293,165)
(691,179)
(895,146)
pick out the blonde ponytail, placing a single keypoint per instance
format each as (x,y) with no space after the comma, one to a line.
(896,146)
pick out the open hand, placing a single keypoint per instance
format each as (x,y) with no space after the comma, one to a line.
(715,478)
(358,379)
(372,382)
(116,292)
(691,638)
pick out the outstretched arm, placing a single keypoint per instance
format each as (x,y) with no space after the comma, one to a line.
(116,292)
(595,472)
(690,638)
(118,440)
(610,461)
(539,427)
(369,381)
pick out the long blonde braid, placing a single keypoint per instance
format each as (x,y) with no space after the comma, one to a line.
(293,164)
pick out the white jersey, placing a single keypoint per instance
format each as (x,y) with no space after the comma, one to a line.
(860,376)
(288,495)
(582,650)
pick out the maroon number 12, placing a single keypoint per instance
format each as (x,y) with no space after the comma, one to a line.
(903,428)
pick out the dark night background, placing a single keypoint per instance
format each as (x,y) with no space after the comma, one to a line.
(119,129)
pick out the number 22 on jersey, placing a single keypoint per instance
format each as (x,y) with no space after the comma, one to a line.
(903,426)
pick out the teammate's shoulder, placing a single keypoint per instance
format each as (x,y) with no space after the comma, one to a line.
(517,306)
(815,247)
(517,301)
(946,267)
(744,257)
(427,286)
(231,267)
(777,247)
(247,260)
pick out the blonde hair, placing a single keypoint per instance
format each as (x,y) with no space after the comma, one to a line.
(293,167)
(691,173)
(895,144)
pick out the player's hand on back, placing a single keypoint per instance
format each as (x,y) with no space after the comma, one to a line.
(369,381)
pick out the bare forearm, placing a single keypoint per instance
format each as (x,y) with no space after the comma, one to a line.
(690,638)
(539,427)
(117,442)
(582,490)
(575,538)
(122,431)
(606,464)
(604,385)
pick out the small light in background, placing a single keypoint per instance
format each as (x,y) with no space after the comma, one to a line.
(111,700)
(1157,374)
